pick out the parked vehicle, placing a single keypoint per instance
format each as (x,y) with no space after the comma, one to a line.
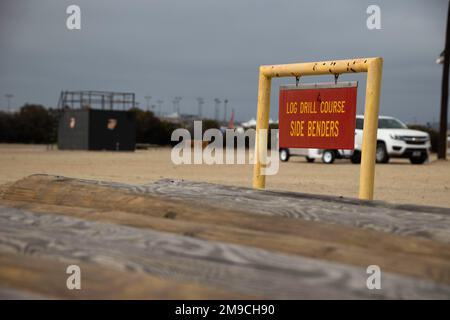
(328,156)
(394,140)
(448,143)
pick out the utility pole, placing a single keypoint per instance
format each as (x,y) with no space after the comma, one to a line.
(8,97)
(442,150)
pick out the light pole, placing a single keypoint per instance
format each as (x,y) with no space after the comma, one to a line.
(200,104)
(159,102)
(174,102)
(148,98)
(216,108)
(8,97)
(178,99)
(225,102)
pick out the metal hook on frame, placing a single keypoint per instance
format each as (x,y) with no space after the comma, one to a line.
(297,80)
(336,76)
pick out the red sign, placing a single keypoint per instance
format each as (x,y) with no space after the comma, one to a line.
(318,116)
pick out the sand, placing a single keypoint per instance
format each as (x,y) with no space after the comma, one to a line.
(396,182)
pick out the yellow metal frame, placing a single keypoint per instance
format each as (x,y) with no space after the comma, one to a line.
(373,67)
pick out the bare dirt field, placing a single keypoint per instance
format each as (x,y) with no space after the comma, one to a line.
(398,181)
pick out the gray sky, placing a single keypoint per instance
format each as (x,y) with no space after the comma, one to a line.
(211,49)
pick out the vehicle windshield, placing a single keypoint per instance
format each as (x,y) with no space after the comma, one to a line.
(383,123)
(390,124)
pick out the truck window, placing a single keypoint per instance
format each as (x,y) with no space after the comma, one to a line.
(390,124)
(359,123)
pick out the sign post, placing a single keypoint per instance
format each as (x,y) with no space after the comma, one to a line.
(373,67)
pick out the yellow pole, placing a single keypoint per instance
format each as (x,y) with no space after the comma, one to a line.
(262,125)
(373,66)
(369,145)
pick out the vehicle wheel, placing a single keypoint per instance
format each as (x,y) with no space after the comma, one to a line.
(328,156)
(284,155)
(419,160)
(356,157)
(381,155)
(310,160)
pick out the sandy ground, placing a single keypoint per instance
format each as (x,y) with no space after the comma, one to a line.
(398,182)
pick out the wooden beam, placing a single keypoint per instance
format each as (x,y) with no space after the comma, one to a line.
(44,277)
(411,256)
(407,220)
(423,222)
(414,257)
(218,265)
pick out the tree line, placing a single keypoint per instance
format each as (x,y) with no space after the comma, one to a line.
(31,124)
(36,124)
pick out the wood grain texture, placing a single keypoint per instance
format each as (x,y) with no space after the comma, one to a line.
(217,265)
(414,257)
(40,277)
(409,220)
(15,294)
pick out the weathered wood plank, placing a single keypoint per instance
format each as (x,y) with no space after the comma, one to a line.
(414,257)
(33,277)
(74,192)
(230,267)
(14,294)
(418,221)
(409,220)
(411,256)
(218,188)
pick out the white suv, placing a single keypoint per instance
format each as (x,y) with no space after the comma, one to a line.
(394,139)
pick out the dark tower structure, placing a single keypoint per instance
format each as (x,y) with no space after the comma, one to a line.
(91,120)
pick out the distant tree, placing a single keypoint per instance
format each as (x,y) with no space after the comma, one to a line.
(434,134)
(34,124)
(7,127)
(210,124)
(150,129)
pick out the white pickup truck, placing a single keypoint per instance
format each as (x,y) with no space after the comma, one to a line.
(394,140)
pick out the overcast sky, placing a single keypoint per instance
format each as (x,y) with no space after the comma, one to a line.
(208,48)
